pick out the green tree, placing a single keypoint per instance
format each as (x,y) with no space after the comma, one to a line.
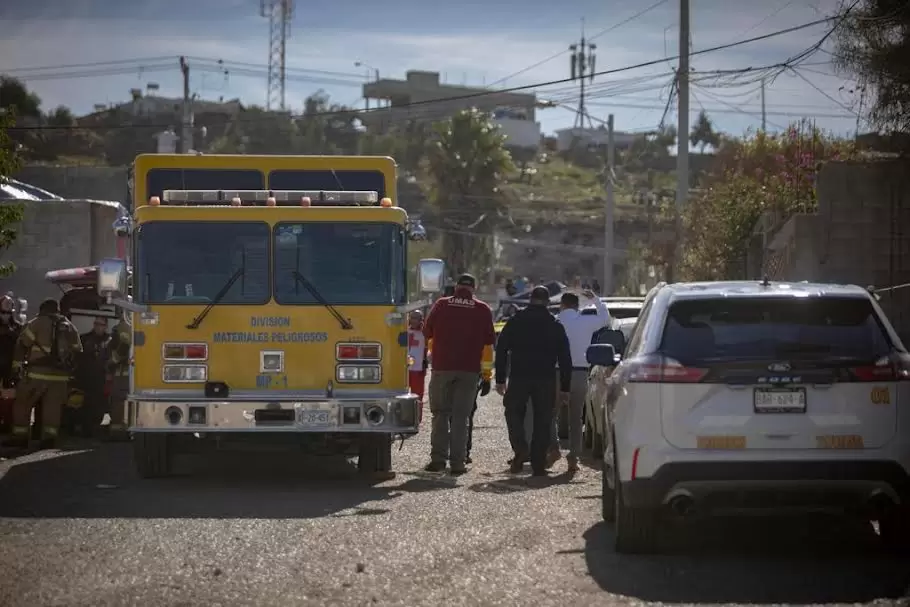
(761,173)
(57,136)
(14,94)
(467,162)
(873,46)
(647,149)
(10,213)
(328,128)
(665,136)
(703,133)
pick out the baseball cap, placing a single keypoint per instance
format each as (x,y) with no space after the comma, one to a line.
(466,280)
(540,295)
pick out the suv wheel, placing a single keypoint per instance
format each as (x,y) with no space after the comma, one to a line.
(635,529)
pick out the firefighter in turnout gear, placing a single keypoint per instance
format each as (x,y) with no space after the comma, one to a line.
(47,348)
(120,346)
(10,328)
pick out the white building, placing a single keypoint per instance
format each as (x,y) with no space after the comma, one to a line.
(520,130)
(566,138)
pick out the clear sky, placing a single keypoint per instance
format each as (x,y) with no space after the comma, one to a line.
(472,42)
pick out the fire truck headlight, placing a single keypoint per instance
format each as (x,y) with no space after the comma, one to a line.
(358,374)
(184,374)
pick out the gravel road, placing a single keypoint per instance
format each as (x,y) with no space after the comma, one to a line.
(78,528)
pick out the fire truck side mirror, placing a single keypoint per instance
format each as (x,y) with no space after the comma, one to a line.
(112,278)
(430,275)
(123,226)
(415,230)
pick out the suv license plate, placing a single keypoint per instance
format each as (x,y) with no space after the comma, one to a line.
(780,400)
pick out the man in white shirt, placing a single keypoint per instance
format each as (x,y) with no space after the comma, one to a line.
(167,141)
(580,329)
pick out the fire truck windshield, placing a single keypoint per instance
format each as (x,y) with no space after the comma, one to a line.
(190,262)
(348,263)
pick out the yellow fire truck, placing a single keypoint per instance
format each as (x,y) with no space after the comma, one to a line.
(269,304)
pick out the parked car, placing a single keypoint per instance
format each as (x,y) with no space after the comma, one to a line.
(617,335)
(624,308)
(754,397)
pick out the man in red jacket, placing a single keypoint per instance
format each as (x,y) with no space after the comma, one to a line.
(461,327)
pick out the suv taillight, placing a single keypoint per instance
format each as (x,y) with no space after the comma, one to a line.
(662,370)
(887,368)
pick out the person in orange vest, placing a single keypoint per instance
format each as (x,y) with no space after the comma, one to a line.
(418,358)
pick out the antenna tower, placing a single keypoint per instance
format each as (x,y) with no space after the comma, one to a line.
(279,14)
(582,61)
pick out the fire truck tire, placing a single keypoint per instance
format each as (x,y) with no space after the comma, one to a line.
(375,454)
(152,454)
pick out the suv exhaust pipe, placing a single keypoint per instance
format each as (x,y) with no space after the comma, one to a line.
(682,506)
(880,504)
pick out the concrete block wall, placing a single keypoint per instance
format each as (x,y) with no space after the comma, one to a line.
(860,234)
(865,211)
(79,182)
(58,234)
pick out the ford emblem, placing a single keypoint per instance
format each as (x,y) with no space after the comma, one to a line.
(779,367)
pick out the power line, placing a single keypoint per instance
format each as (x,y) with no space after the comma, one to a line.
(728,99)
(594,37)
(826,95)
(737,110)
(104,73)
(722,110)
(138,60)
(651,63)
(528,87)
(127,67)
(765,20)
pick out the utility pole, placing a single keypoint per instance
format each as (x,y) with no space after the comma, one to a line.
(764,114)
(682,128)
(609,206)
(186,133)
(582,63)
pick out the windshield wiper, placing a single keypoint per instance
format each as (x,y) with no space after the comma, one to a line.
(344,322)
(221,295)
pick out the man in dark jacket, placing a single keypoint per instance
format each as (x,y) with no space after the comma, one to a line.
(529,347)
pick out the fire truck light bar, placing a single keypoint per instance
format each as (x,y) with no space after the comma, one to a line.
(281,197)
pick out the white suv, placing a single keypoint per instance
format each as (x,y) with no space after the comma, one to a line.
(735,397)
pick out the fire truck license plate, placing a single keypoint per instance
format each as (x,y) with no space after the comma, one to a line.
(316,416)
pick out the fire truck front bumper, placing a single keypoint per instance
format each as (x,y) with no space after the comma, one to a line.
(395,414)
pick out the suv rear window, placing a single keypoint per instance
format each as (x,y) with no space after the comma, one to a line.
(787,327)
